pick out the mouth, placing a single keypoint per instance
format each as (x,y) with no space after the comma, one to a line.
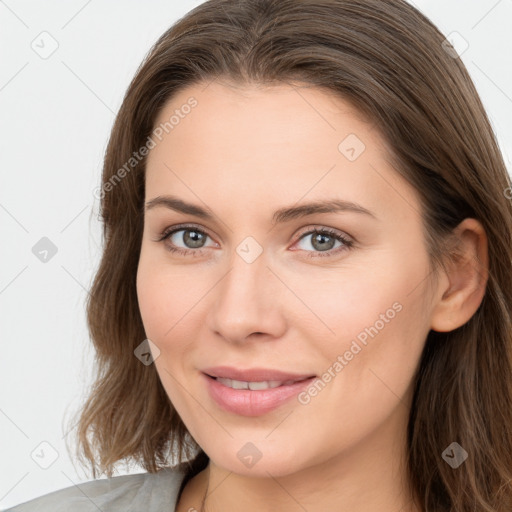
(255,375)
(254,396)
(255,385)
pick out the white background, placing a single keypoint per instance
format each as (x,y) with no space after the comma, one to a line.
(56,116)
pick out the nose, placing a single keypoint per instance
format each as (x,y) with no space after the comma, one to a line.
(248,302)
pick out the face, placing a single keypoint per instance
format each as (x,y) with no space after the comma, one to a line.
(337,293)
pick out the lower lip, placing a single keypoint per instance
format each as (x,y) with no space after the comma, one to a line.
(253,403)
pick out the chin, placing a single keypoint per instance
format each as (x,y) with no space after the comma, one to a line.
(256,459)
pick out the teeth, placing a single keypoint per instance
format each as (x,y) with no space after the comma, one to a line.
(265,385)
(254,386)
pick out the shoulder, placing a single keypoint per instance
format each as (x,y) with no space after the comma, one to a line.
(142,491)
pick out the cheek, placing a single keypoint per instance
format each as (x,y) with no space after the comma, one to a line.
(166,295)
(370,362)
(152,295)
(373,315)
(165,304)
(343,302)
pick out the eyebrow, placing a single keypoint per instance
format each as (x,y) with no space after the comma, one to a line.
(282,215)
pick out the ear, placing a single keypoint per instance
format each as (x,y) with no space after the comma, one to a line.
(462,289)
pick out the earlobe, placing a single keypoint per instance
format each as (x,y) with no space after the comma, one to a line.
(462,292)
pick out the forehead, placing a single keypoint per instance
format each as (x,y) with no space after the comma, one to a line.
(260,112)
(280,142)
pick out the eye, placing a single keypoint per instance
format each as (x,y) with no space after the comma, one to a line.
(193,239)
(323,242)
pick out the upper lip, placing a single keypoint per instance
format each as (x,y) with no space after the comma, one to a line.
(254,374)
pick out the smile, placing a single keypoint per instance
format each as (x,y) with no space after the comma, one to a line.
(254,386)
(253,398)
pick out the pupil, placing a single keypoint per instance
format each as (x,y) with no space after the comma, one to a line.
(195,240)
(320,239)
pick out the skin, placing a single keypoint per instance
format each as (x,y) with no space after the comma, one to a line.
(244,152)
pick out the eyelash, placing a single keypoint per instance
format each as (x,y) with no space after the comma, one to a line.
(347,244)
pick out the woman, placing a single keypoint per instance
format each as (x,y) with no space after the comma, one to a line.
(305,292)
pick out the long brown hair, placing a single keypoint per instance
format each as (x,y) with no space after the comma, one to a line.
(395,67)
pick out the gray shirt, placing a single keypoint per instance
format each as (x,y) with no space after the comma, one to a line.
(143,492)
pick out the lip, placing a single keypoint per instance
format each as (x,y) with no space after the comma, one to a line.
(246,402)
(253,374)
